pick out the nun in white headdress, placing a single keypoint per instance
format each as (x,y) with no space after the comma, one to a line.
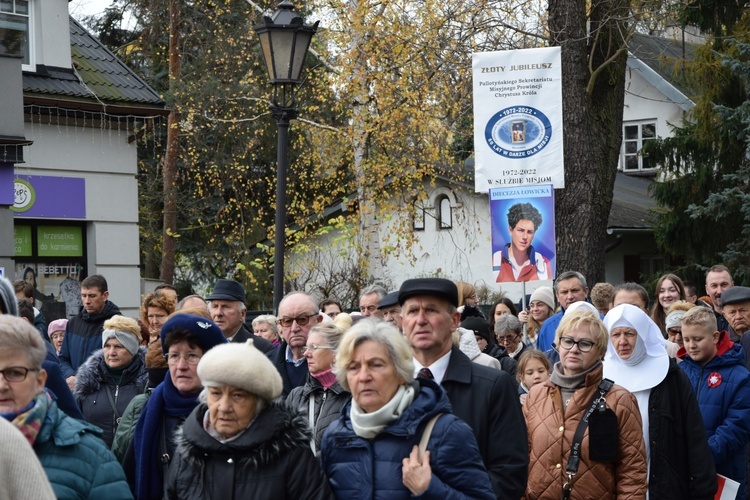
(680,464)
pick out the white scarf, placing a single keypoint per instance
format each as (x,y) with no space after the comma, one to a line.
(369,425)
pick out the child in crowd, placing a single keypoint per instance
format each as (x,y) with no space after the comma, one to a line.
(533,368)
(715,367)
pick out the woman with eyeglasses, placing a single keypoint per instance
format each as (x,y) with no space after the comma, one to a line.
(185,339)
(112,376)
(509,335)
(321,398)
(585,436)
(76,461)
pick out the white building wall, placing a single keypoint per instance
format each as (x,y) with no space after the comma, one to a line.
(109,164)
(51,35)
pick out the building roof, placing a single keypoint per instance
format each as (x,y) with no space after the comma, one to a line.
(660,62)
(632,204)
(104,79)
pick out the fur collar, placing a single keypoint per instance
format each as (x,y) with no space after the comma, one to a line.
(93,372)
(278,430)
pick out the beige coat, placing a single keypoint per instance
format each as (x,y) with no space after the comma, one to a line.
(21,474)
(551,435)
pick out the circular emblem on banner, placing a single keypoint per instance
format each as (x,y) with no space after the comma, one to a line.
(714,379)
(518,132)
(23,195)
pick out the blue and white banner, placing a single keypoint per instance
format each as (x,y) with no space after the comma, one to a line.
(518,130)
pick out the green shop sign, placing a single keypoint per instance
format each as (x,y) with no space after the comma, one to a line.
(22,241)
(59,241)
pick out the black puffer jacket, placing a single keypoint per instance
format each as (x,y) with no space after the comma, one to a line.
(92,382)
(271,459)
(328,404)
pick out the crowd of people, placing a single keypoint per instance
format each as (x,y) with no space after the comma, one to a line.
(572,393)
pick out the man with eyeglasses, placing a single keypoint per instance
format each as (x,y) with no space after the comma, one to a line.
(228,311)
(736,309)
(298,313)
(370,300)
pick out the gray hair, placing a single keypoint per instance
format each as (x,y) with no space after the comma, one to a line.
(330,333)
(270,319)
(18,335)
(568,275)
(508,323)
(385,334)
(379,290)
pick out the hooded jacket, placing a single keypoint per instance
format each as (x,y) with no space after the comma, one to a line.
(551,430)
(77,463)
(270,459)
(92,382)
(722,388)
(328,404)
(360,468)
(83,336)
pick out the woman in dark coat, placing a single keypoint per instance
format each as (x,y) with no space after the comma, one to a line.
(321,391)
(680,464)
(238,443)
(112,376)
(371,451)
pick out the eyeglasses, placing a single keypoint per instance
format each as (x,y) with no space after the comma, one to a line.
(507,338)
(190,358)
(584,345)
(301,320)
(313,347)
(675,331)
(16,373)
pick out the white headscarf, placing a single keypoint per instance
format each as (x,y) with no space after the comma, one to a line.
(647,366)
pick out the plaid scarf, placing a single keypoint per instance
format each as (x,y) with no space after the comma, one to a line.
(30,419)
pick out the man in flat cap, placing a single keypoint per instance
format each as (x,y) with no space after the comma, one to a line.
(227,308)
(736,309)
(391,309)
(485,398)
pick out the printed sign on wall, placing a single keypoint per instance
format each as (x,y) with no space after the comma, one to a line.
(518,139)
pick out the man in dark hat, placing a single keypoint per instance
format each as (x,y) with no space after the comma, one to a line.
(228,312)
(736,309)
(391,309)
(485,398)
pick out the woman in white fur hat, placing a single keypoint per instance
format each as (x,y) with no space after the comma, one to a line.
(240,442)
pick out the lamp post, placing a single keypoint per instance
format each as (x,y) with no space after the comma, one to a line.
(284,40)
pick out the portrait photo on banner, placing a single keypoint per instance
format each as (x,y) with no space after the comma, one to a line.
(523,233)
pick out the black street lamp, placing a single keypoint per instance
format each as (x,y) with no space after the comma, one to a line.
(284,40)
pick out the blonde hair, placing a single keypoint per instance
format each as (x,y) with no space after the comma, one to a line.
(465,291)
(123,324)
(581,317)
(269,319)
(702,317)
(680,305)
(330,333)
(385,334)
(343,321)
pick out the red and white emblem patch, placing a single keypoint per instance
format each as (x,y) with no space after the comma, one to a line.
(714,379)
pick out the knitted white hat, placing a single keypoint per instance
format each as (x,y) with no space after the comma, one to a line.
(545,295)
(242,366)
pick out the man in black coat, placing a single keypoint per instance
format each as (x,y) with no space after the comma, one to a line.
(485,398)
(228,311)
(298,313)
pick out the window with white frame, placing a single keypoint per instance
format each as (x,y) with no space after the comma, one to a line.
(418,222)
(445,217)
(634,136)
(14,29)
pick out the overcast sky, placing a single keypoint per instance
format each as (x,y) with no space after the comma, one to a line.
(82,8)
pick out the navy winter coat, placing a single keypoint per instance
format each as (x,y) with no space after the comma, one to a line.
(359,468)
(722,388)
(83,336)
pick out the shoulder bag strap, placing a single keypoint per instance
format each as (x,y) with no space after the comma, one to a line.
(114,406)
(426,436)
(575,449)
